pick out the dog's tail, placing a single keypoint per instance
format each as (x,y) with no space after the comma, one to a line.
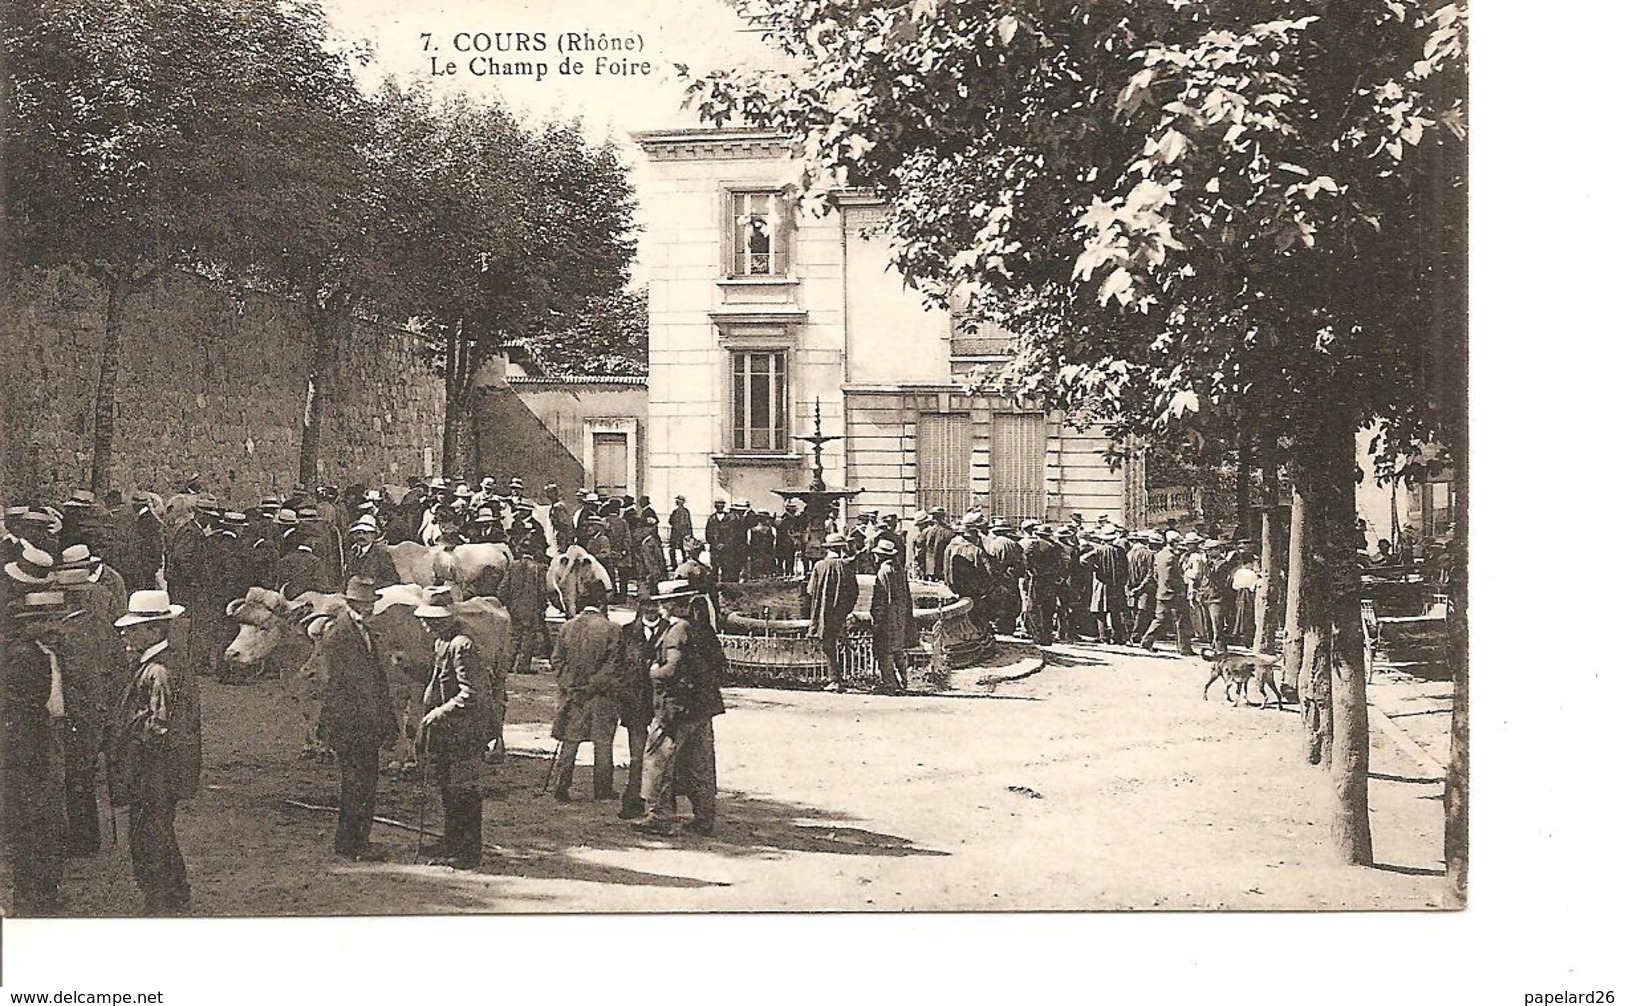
(1208,653)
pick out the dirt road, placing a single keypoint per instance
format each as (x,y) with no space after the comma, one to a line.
(1102,782)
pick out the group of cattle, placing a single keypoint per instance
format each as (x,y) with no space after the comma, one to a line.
(285,635)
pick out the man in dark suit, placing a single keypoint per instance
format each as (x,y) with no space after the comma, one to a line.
(585,658)
(367,557)
(634,693)
(680,527)
(716,535)
(833,594)
(357,716)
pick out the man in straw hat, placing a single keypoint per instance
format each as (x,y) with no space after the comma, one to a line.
(92,673)
(686,672)
(891,609)
(357,716)
(35,709)
(154,754)
(458,713)
(367,558)
(832,592)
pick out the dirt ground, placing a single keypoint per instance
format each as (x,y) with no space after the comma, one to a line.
(1103,781)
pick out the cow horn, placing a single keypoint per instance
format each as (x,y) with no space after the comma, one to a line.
(234,607)
(316,626)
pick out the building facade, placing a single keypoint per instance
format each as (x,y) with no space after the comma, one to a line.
(759,314)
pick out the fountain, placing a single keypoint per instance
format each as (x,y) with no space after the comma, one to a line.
(764,622)
(819,498)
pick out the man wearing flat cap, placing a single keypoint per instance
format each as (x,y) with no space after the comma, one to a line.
(832,592)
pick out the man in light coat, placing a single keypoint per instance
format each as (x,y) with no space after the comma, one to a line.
(586,661)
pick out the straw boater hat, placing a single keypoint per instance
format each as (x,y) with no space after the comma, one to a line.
(671,590)
(835,539)
(973,521)
(516,483)
(286,517)
(206,503)
(884,548)
(76,557)
(436,604)
(33,566)
(365,523)
(81,498)
(148,606)
(43,604)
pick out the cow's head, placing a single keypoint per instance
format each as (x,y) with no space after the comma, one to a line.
(264,619)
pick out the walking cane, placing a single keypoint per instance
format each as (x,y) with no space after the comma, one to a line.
(423,790)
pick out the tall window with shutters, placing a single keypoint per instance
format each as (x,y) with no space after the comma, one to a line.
(761,402)
(760,235)
(1016,459)
(942,445)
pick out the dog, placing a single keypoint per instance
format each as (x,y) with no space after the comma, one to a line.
(1238,669)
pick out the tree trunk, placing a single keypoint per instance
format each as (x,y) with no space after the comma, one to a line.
(325,326)
(1333,669)
(1297,548)
(1272,547)
(456,442)
(101,437)
(1244,486)
(1456,777)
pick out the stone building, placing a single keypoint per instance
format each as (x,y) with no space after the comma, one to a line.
(757,313)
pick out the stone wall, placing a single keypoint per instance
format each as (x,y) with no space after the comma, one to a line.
(209,384)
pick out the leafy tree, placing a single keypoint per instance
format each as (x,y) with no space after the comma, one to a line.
(316,234)
(610,335)
(503,225)
(142,136)
(1178,207)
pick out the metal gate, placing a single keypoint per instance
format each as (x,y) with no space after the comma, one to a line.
(1016,459)
(942,461)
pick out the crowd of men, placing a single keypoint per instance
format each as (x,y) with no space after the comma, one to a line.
(93,588)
